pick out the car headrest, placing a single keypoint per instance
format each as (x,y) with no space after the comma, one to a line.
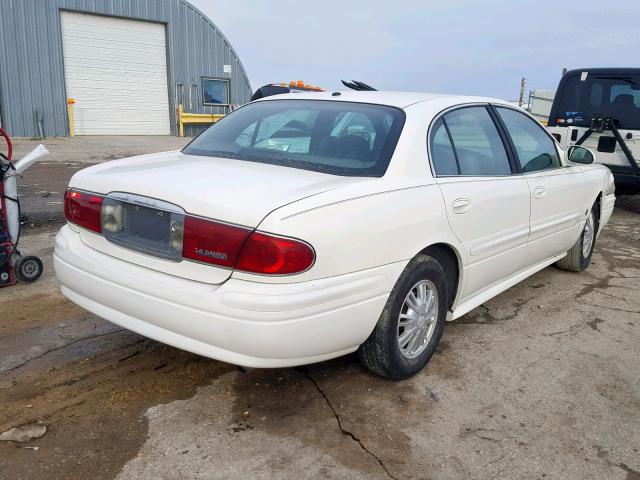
(350,146)
(624,100)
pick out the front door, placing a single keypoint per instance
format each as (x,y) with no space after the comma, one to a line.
(558,192)
(487,204)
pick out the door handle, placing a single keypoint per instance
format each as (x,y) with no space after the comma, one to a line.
(461,205)
(539,192)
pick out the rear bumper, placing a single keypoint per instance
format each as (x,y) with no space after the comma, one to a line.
(241,322)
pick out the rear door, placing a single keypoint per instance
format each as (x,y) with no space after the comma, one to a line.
(487,204)
(558,192)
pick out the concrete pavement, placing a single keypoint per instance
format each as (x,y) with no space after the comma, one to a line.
(540,382)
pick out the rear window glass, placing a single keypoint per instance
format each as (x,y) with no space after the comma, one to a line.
(340,138)
(615,96)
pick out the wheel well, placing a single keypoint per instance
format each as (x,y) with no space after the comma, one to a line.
(599,212)
(447,257)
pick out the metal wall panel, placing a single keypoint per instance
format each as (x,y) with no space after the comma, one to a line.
(540,102)
(32,69)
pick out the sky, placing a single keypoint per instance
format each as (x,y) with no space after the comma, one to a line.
(481,47)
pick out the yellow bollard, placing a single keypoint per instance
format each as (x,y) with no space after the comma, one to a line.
(198,118)
(180,123)
(72,124)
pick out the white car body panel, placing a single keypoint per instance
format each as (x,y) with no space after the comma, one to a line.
(465,306)
(208,186)
(280,325)
(493,237)
(203,186)
(364,232)
(560,201)
(359,219)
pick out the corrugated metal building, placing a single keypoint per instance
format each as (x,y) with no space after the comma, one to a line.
(126,63)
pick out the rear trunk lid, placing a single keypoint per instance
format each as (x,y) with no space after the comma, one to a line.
(226,190)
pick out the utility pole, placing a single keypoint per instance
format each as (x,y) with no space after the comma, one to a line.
(523,84)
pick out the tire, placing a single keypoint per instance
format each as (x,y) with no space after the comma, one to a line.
(579,256)
(28,269)
(381,352)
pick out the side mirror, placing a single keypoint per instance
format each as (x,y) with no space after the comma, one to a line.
(578,154)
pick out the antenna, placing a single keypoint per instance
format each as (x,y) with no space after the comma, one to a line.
(358,86)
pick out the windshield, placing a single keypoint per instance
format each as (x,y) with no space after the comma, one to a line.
(339,138)
(615,96)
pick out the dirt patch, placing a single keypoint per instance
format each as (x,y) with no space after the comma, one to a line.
(91,394)
(38,310)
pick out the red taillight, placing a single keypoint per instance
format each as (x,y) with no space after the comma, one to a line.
(244,249)
(83,209)
(212,242)
(271,255)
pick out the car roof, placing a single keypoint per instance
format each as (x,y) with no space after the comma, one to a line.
(393,99)
(605,71)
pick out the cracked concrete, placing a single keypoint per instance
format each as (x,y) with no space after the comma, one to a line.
(215,437)
(539,382)
(342,429)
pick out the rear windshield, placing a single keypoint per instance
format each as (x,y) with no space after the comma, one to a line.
(339,138)
(615,96)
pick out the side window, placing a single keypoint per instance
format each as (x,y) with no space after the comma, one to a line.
(441,149)
(624,96)
(535,149)
(354,124)
(596,95)
(477,143)
(245,137)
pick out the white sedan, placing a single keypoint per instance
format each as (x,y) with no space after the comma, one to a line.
(303,227)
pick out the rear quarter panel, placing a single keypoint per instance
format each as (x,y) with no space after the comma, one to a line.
(596,178)
(365,231)
(376,221)
(599,180)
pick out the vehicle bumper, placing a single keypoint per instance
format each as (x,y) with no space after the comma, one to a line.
(241,322)
(627,179)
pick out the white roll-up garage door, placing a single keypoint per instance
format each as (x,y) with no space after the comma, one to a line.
(116,70)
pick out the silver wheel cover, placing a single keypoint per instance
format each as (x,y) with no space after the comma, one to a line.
(417,319)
